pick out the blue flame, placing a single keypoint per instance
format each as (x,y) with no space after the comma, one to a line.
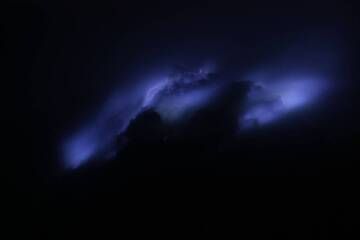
(172,98)
(177,107)
(94,138)
(273,97)
(274,94)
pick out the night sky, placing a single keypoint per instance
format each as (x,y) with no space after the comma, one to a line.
(101,128)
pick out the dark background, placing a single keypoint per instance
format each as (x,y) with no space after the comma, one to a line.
(63,57)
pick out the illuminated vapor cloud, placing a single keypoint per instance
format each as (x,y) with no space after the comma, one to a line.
(276,90)
(182,93)
(273,97)
(177,96)
(95,138)
(294,80)
(174,108)
(172,96)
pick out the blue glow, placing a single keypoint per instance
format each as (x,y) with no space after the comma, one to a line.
(100,132)
(176,107)
(80,148)
(172,97)
(181,93)
(273,97)
(153,92)
(263,113)
(297,92)
(176,96)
